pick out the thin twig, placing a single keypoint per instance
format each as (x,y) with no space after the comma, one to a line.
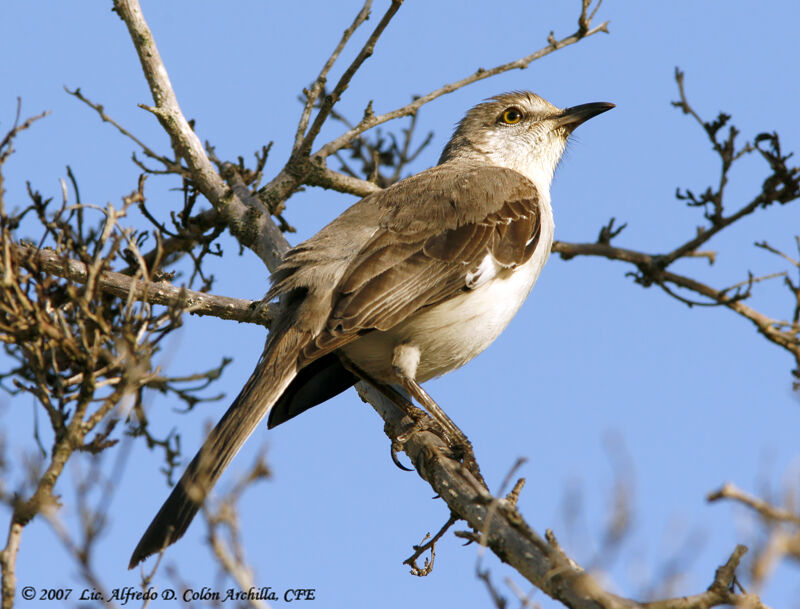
(159,292)
(768,327)
(770,512)
(246,218)
(344,81)
(428,543)
(171,166)
(312,94)
(371,120)
(5,143)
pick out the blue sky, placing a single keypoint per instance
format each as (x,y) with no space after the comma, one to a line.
(695,396)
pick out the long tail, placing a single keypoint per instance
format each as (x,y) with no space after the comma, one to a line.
(274,372)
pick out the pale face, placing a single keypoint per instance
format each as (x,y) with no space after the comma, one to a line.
(520,131)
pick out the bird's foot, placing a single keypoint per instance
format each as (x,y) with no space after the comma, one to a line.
(422,422)
(458,444)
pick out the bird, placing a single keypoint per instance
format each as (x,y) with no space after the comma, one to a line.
(409,283)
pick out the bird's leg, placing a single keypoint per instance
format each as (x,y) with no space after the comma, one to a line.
(392,394)
(448,430)
(456,438)
(452,432)
(420,420)
(404,361)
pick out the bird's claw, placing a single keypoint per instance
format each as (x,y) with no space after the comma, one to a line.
(422,422)
(396,447)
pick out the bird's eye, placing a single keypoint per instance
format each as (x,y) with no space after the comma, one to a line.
(511,116)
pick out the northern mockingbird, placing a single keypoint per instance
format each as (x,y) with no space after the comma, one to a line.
(409,283)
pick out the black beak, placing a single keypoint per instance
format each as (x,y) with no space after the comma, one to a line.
(572,117)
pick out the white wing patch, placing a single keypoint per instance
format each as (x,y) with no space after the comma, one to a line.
(486,271)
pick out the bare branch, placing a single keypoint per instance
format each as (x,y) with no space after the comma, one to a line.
(766,246)
(8,564)
(5,144)
(230,555)
(782,333)
(330,100)
(371,120)
(340,182)
(498,524)
(171,165)
(720,592)
(7,149)
(245,217)
(428,543)
(782,186)
(154,292)
(769,512)
(312,94)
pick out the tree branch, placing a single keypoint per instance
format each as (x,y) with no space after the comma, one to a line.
(371,120)
(245,216)
(498,524)
(169,164)
(767,511)
(154,292)
(781,333)
(334,96)
(312,94)
(8,563)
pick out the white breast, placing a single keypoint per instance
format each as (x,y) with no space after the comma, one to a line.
(453,332)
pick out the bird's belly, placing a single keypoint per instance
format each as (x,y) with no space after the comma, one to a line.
(449,334)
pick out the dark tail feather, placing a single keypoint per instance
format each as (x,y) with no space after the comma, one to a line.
(265,386)
(317,382)
(170,523)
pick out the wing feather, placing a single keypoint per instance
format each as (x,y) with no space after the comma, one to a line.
(408,264)
(414,245)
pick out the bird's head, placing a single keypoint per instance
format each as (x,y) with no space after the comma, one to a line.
(520,131)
